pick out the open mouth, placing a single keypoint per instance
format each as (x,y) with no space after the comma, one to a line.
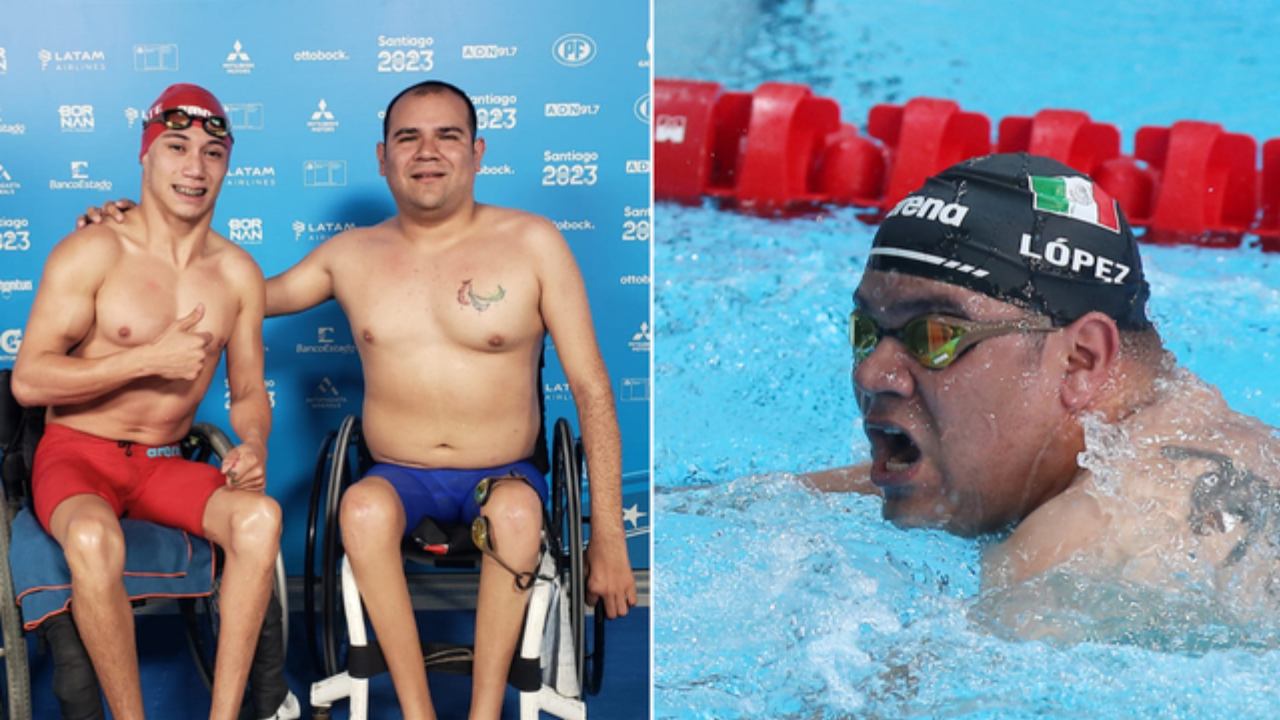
(190,191)
(892,449)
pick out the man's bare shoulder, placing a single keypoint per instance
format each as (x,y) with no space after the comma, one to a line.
(1052,534)
(234,261)
(355,241)
(517,224)
(95,247)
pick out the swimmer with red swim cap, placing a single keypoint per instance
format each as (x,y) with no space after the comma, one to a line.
(1011,384)
(127,329)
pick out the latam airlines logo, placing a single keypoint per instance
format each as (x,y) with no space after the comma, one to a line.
(251,176)
(10,341)
(318,232)
(245,231)
(75,118)
(322,119)
(574,50)
(161,57)
(72,60)
(237,62)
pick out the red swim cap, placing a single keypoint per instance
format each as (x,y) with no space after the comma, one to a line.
(193,99)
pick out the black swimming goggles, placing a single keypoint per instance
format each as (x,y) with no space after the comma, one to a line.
(935,341)
(179,119)
(483,540)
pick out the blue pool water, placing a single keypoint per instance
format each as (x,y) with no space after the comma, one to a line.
(773,601)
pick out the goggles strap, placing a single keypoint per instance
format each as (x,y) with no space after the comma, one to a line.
(523,580)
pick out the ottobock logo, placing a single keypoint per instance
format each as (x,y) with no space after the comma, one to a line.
(238,61)
(322,119)
(488,52)
(160,57)
(571,109)
(633,280)
(246,116)
(930,208)
(10,341)
(634,390)
(324,173)
(80,179)
(574,49)
(503,169)
(574,225)
(245,231)
(670,128)
(12,128)
(8,186)
(72,60)
(318,232)
(75,118)
(326,396)
(321,56)
(16,285)
(641,108)
(325,344)
(251,176)
(641,339)
(638,167)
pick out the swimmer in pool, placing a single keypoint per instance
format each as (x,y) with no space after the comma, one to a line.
(1011,383)
(123,340)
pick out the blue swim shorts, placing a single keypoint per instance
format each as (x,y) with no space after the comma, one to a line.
(447,495)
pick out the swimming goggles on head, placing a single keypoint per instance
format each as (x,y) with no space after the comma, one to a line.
(935,341)
(179,119)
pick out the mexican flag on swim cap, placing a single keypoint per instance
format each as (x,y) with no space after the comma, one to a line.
(1023,229)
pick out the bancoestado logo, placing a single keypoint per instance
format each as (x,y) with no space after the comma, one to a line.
(80,179)
(489,52)
(16,285)
(570,109)
(7,128)
(570,168)
(325,344)
(495,112)
(318,232)
(14,235)
(10,342)
(635,224)
(406,53)
(245,231)
(250,176)
(72,60)
(574,49)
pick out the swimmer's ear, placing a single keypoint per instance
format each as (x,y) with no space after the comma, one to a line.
(1092,346)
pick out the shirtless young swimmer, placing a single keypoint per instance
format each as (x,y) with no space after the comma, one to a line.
(124,337)
(449,302)
(1010,380)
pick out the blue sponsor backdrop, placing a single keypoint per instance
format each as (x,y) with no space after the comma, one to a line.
(561,90)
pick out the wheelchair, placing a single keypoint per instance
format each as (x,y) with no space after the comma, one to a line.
(553,667)
(74,680)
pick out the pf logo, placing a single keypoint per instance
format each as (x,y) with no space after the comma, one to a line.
(574,50)
(10,341)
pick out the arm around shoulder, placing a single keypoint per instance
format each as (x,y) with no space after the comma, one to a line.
(305,285)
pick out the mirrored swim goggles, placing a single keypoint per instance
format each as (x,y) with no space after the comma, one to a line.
(482,538)
(935,341)
(179,119)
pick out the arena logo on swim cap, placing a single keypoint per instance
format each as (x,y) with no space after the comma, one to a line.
(930,208)
(1074,197)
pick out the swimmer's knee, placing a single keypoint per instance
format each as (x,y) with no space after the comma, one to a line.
(370,507)
(94,546)
(515,513)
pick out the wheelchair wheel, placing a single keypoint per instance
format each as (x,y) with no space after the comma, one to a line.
(309,576)
(566,522)
(343,468)
(16,671)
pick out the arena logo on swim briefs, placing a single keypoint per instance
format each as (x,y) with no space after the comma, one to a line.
(162,57)
(238,61)
(326,396)
(325,344)
(318,232)
(75,118)
(408,54)
(72,60)
(636,226)
(14,236)
(80,179)
(574,49)
(8,186)
(322,119)
(10,341)
(489,52)
(245,231)
(9,287)
(250,176)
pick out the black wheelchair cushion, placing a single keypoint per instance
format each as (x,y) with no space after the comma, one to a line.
(430,537)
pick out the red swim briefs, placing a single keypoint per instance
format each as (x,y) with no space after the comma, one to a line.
(143,482)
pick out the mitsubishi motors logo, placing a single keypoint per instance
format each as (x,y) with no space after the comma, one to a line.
(237,62)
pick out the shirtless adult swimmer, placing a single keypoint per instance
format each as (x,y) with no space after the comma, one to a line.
(1009,377)
(124,337)
(449,301)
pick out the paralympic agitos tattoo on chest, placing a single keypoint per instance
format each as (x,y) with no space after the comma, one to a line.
(1226,495)
(481,302)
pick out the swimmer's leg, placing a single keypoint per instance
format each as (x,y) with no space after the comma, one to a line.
(373,520)
(514,511)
